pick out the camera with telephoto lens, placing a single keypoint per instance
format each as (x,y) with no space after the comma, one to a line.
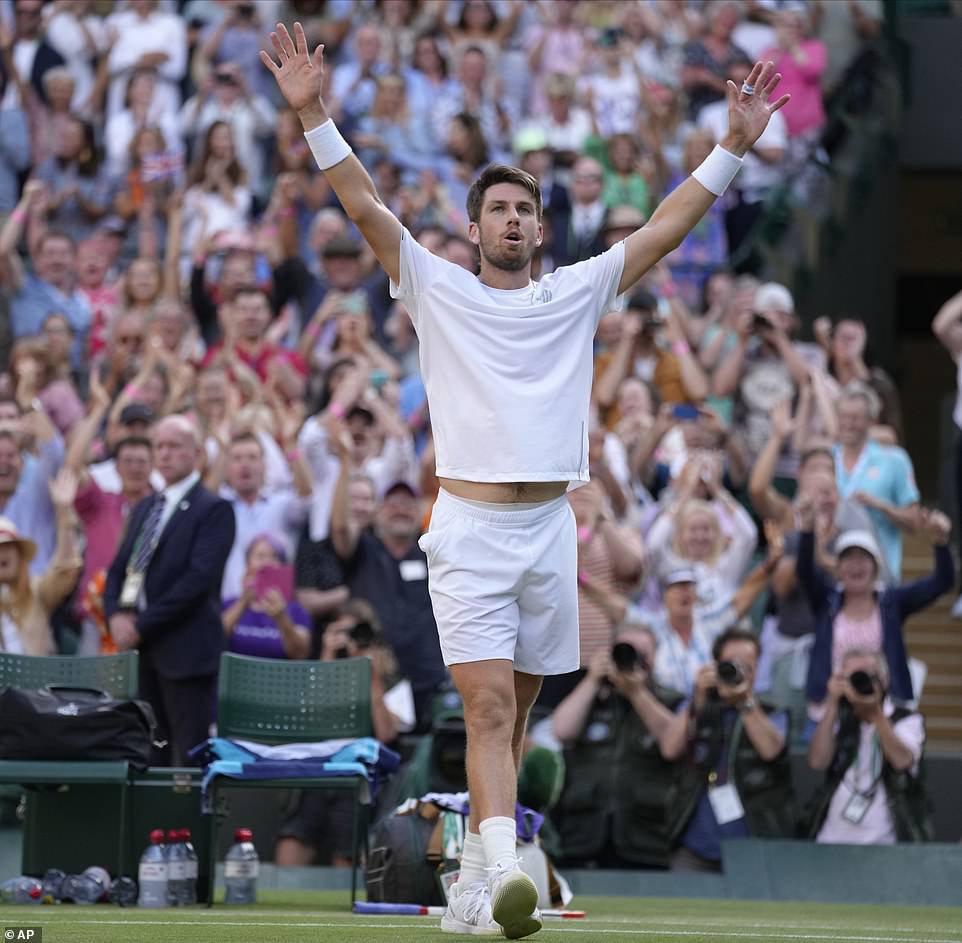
(730,673)
(626,657)
(362,635)
(862,683)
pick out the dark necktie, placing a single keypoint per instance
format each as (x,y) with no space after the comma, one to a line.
(149,534)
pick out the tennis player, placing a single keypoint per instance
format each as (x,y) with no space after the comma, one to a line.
(507,363)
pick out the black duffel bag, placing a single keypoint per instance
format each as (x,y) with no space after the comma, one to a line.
(60,722)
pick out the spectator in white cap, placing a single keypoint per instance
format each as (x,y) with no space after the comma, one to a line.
(686,632)
(855,610)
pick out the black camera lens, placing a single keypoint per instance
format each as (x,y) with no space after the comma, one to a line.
(625,656)
(362,634)
(729,673)
(862,683)
(760,323)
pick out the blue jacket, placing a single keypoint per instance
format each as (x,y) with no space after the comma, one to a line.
(896,604)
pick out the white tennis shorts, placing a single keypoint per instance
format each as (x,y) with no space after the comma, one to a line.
(504,584)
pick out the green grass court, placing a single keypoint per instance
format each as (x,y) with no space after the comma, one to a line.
(319,917)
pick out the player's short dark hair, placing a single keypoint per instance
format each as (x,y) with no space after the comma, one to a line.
(734,633)
(501,173)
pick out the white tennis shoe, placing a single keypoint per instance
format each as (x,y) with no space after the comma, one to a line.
(514,903)
(469,911)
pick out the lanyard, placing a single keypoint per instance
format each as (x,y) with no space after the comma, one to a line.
(875,770)
(730,759)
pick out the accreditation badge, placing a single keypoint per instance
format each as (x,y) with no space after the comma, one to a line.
(130,593)
(856,807)
(726,804)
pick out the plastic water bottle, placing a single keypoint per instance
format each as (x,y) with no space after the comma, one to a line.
(190,882)
(21,890)
(52,883)
(87,888)
(241,867)
(176,868)
(123,892)
(152,875)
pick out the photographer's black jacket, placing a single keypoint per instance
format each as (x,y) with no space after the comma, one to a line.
(618,791)
(905,793)
(764,786)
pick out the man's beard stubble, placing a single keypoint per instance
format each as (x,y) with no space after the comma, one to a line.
(500,259)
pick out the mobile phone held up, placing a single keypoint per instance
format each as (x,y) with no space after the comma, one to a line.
(280,578)
(684,413)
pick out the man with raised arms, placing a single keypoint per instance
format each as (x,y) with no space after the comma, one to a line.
(506,363)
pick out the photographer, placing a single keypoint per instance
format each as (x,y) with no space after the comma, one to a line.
(737,783)
(873,793)
(318,829)
(613,811)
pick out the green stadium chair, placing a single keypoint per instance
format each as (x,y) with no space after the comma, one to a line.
(273,701)
(115,674)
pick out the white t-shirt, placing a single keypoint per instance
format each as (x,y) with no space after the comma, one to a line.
(616,100)
(507,372)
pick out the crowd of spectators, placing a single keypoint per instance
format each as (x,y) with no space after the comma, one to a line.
(168,248)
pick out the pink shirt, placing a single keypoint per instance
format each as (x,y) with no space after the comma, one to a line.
(103,515)
(848,634)
(803,81)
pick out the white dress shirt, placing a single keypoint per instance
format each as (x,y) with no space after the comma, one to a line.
(279,513)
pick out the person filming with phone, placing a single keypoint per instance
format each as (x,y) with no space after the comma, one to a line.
(871,751)
(614,809)
(737,782)
(264,620)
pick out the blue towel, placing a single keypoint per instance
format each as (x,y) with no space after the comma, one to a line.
(365,757)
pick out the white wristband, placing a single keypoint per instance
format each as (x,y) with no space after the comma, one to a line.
(327,145)
(717,170)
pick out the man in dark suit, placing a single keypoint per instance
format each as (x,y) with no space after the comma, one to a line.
(163,591)
(577,224)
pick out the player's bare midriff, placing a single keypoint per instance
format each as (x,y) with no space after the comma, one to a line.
(505,492)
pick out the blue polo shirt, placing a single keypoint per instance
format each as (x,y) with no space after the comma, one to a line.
(883,471)
(37,300)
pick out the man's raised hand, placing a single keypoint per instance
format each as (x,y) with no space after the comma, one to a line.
(299,75)
(749,114)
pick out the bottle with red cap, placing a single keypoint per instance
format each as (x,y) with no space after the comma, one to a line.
(190,882)
(152,875)
(176,869)
(21,890)
(241,867)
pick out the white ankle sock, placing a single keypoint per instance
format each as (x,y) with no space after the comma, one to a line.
(499,836)
(472,860)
